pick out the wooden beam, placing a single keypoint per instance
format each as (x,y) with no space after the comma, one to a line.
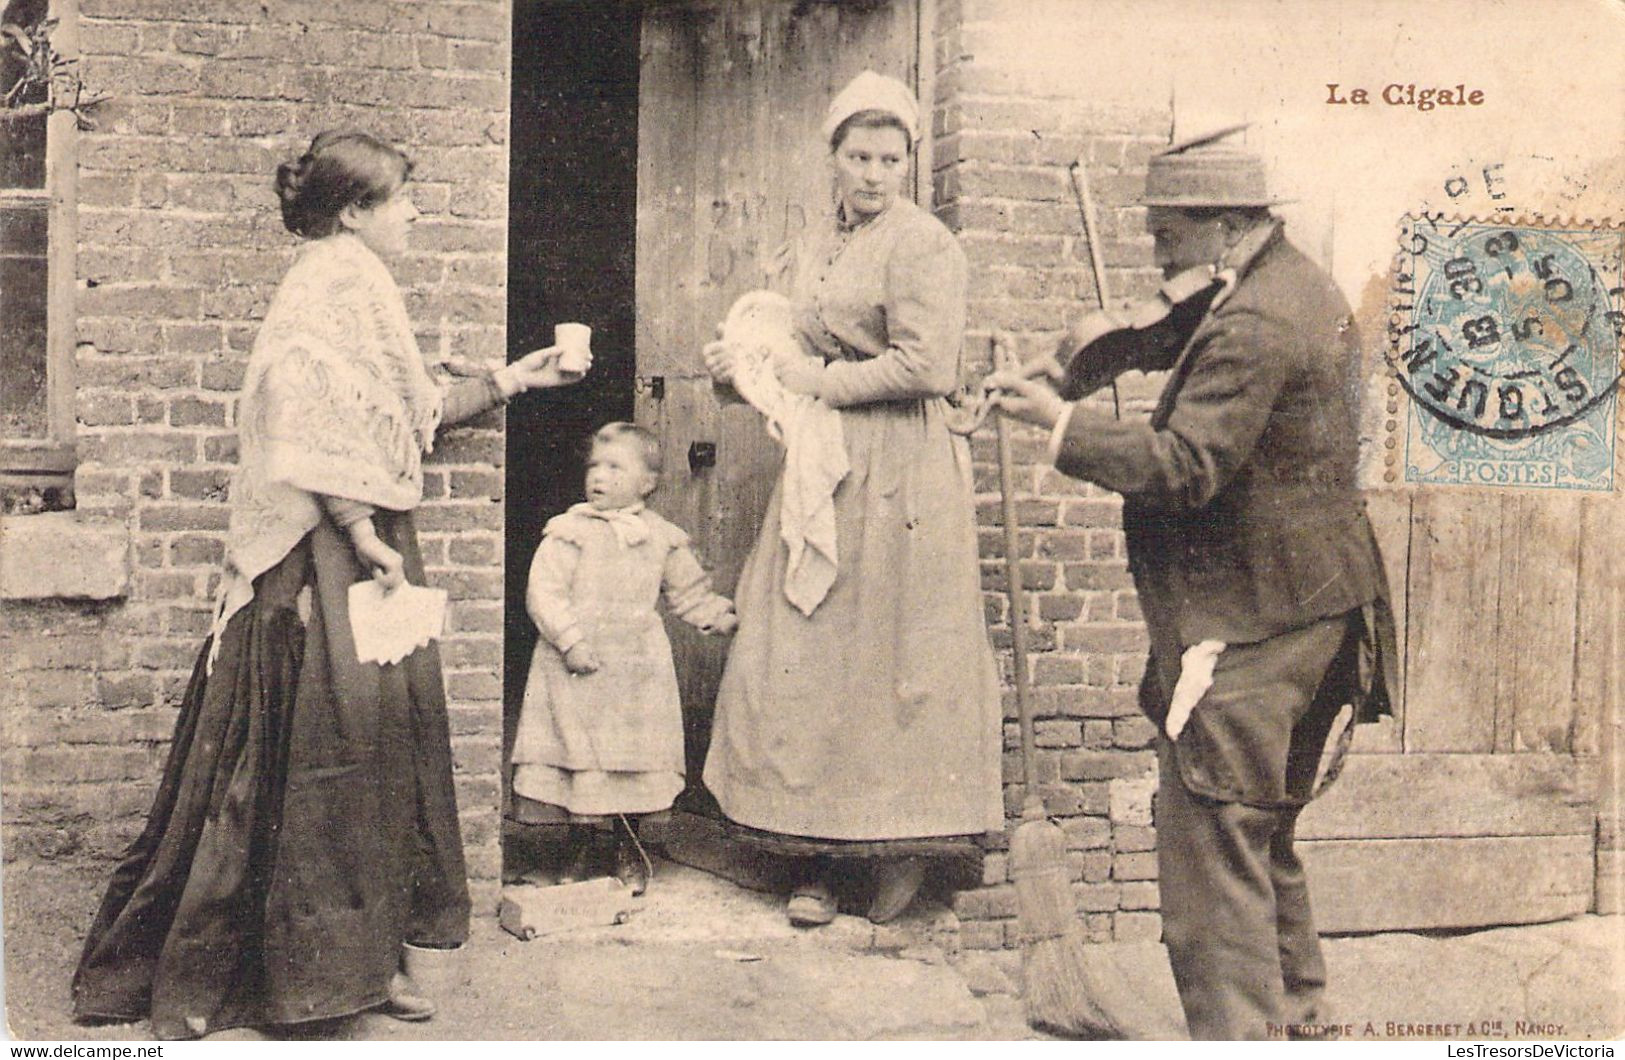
(1422,795)
(1420,884)
(1601,598)
(1452,601)
(62,178)
(925,90)
(1535,622)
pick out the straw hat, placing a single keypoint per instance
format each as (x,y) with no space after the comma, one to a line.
(1205,172)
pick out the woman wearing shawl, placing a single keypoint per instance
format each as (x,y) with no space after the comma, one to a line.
(305,827)
(869,728)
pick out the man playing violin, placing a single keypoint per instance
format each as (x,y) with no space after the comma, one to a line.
(1257,571)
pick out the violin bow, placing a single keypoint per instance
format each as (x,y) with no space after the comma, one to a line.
(1086,209)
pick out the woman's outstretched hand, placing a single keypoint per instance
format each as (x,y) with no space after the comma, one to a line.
(535,370)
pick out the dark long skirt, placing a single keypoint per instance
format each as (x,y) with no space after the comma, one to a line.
(304,828)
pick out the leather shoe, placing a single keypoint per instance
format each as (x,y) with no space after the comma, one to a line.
(405,1003)
(811,905)
(897,881)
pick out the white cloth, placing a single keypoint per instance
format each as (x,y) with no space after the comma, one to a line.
(626,523)
(1195,678)
(872,91)
(388,627)
(815,461)
(337,400)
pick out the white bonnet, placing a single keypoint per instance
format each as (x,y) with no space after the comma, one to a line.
(872,91)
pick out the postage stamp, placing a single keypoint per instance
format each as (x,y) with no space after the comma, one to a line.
(1504,344)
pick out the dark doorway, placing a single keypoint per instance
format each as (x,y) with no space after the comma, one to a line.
(572,233)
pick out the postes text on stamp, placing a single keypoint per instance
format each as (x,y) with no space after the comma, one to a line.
(1506,338)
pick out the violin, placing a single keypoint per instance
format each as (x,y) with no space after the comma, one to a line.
(1108,342)
(1148,334)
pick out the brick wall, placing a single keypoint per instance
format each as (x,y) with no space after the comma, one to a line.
(181,245)
(1003,145)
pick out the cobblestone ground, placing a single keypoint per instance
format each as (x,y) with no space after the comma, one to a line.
(702,958)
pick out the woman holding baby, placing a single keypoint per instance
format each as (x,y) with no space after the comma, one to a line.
(868,732)
(305,830)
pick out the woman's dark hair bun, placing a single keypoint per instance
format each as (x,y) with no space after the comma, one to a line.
(340,169)
(290,176)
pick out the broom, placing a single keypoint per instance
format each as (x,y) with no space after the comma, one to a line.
(1057,984)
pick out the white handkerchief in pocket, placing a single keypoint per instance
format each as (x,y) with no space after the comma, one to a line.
(390,626)
(1195,678)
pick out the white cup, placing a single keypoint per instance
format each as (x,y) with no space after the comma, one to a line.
(576,342)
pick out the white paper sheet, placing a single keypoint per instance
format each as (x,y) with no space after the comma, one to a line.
(390,626)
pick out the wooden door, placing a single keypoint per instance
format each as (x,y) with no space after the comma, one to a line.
(1479,804)
(730,169)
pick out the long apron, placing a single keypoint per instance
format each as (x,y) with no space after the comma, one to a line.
(878,716)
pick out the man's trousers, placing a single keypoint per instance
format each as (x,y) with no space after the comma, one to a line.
(1235,902)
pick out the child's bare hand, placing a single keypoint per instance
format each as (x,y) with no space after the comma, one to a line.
(724,625)
(581,659)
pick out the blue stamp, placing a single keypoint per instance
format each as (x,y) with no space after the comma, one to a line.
(1507,339)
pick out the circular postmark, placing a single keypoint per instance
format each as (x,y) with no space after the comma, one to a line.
(1505,332)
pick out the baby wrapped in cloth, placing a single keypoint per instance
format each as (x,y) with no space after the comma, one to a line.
(759,327)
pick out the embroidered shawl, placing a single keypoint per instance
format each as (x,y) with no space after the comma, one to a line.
(337,401)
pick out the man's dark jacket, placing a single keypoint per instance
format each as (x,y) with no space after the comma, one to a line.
(1240,506)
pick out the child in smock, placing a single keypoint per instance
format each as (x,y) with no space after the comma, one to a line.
(600,734)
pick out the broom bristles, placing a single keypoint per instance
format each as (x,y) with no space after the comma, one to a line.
(1059,988)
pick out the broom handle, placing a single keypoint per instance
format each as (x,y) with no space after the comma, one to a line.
(1097,259)
(1018,597)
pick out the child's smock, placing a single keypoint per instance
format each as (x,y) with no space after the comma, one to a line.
(609,741)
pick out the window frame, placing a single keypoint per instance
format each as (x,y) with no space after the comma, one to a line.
(48,462)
